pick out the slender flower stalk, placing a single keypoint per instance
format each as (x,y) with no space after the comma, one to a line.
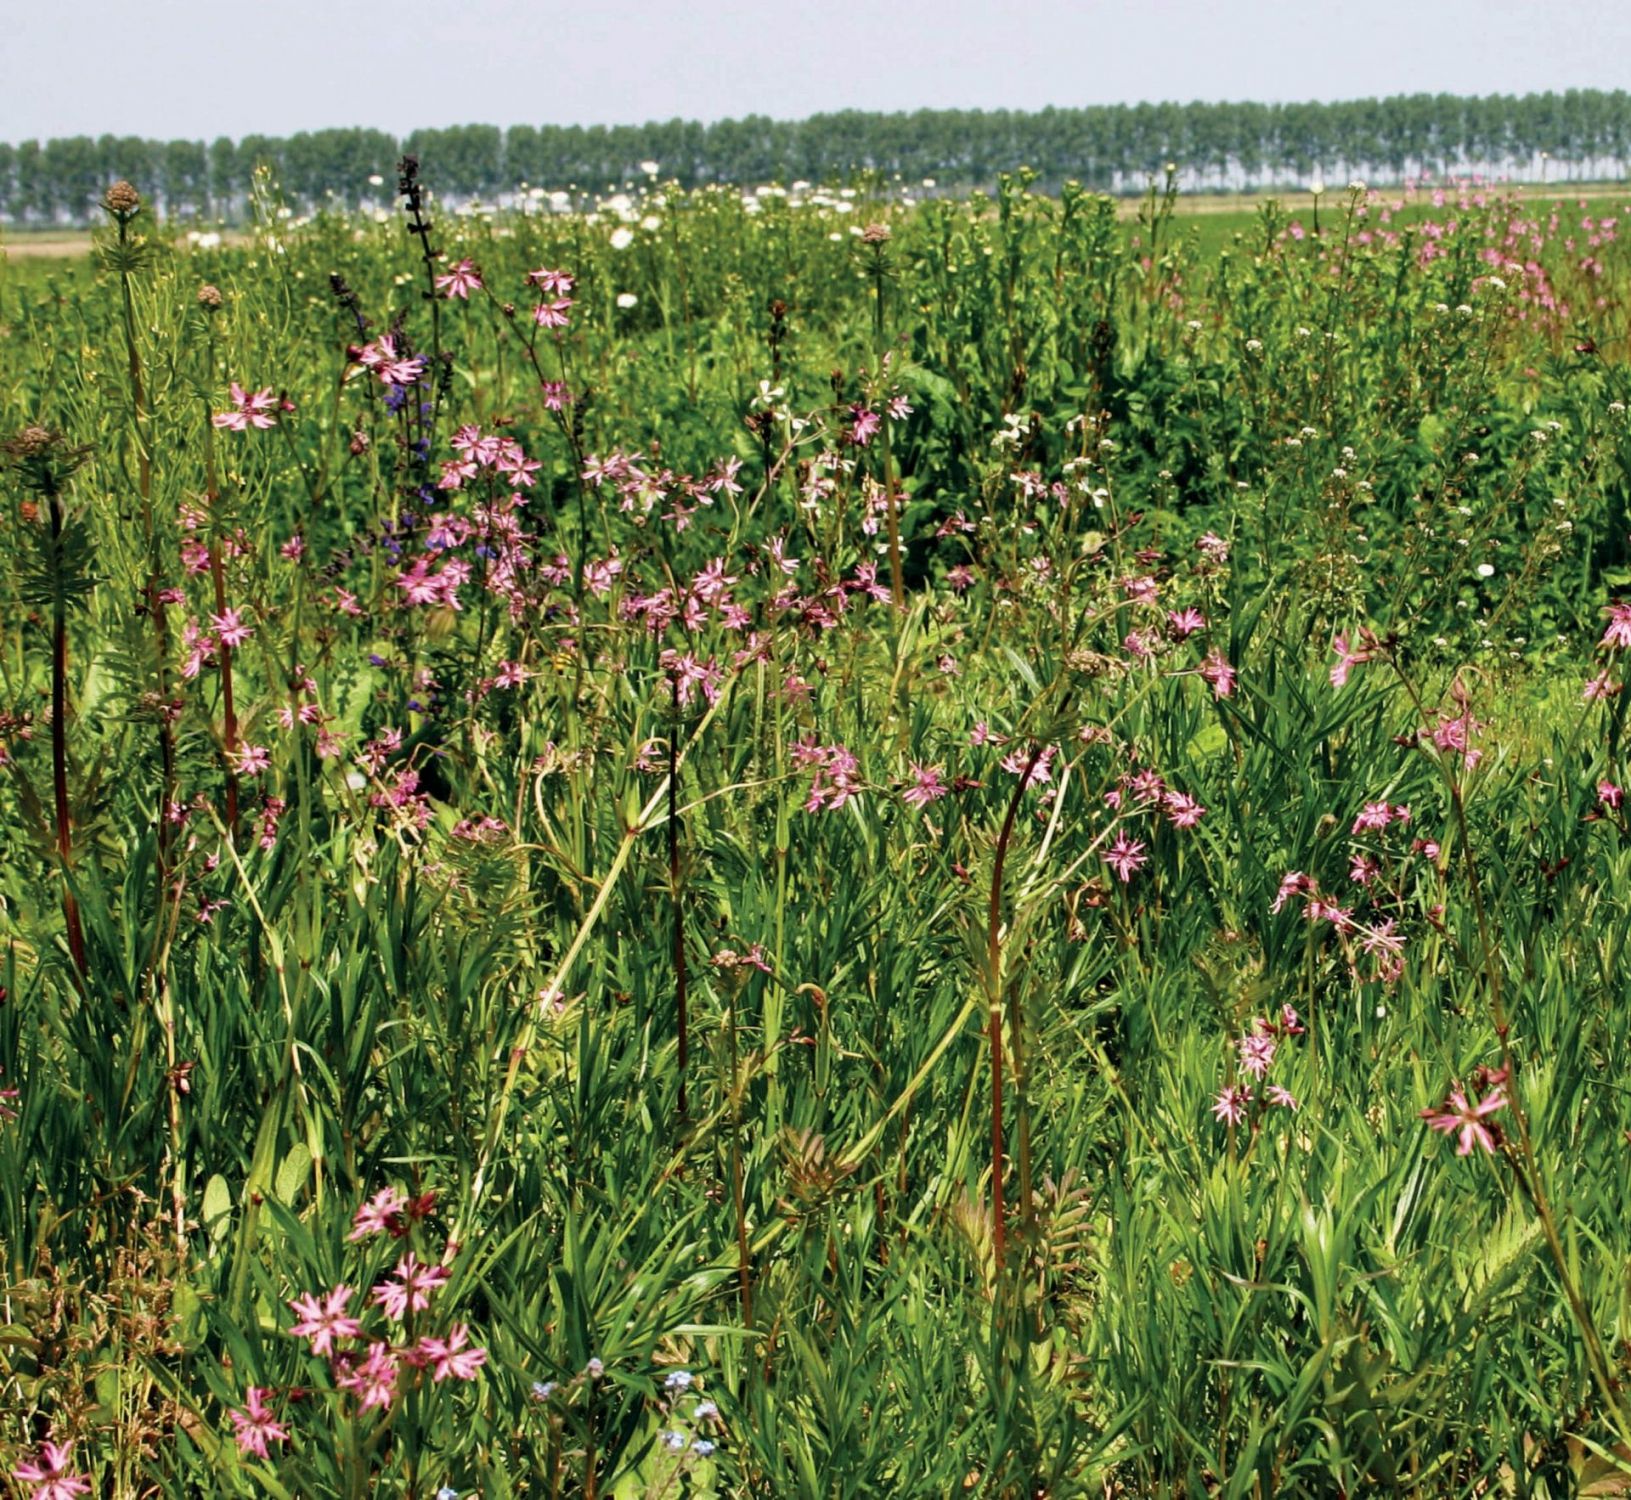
(1016,1024)
(45,462)
(876,237)
(676,894)
(127,256)
(210,300)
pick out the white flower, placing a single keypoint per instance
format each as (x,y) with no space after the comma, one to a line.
(375,180)
(1485,570)
(651,223)
(626,299)
(622,238)
(650,168)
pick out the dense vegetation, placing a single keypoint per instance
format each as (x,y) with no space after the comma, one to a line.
(1114,148)
(837,850)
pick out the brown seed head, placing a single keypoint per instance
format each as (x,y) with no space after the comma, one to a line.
(121,200)
(32,442)
(209,297)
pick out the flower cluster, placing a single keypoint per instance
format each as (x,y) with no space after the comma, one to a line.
(371,1360)
(1256,1050)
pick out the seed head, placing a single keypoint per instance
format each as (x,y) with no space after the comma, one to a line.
(42,459)
(122,200)
(875,234)
(209,297)
(32,442)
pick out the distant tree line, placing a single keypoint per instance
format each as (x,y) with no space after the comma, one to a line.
(1578,133)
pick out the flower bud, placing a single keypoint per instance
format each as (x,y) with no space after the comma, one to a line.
(122,200)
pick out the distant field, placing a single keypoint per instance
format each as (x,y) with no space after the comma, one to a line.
(1225,213)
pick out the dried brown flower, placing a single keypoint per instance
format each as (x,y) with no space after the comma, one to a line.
(122,200)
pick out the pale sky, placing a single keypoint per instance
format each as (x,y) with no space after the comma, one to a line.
(203,68)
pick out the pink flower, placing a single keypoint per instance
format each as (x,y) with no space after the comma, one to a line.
(48,1472)
(1321,910)
(1375,815)
(248,411)
(463,279)
(863,425)
(1347,657)
(1381,938)
(1293,884)
(1230,1104)
(323,1322)
(412,1288)
(837,776)
(1041,772)
(1610,795)
(1217,671)
(251,760)
(1182,811)
(1457,1115)
(393,368)
(1257,1052)
(373,1381)
(255,1425)
(927,786)
(1617,636)
(450,1357)
(552,283)
(1185,622)
(553,314)
(1281,1096)
(1126,857)
(230,629)
(1146,785)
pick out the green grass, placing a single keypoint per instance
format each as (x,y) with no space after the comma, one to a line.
(640,869)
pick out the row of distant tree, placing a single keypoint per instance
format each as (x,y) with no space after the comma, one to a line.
(1583,132)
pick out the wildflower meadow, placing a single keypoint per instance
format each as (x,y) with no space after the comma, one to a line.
(788,843)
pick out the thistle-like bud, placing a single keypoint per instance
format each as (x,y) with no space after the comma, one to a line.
(122,200)
(32,442)
(209,297)
(43,460)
